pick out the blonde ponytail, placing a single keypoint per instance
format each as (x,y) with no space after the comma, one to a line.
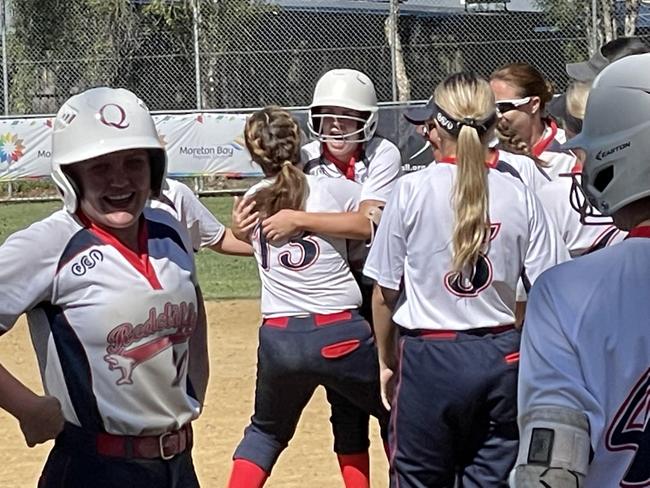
(470,199)
(466,103)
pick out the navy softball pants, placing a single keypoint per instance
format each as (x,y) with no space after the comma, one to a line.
(454,415)
(350,424)
(294,357)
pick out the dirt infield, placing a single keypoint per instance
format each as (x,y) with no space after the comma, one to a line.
(308,461)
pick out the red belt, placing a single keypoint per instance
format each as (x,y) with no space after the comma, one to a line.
(452,334)
(319,319)
(164,446)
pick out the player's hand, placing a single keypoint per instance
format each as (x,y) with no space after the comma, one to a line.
(282,226)
(387,380)
(244,219)
(41,420)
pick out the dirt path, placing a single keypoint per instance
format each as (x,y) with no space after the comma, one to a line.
(308,461)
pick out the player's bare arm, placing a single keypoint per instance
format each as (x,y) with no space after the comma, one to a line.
(40,417)
(231,245)
(346,225)
(383,303)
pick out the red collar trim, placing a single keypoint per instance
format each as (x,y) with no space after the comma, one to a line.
(541,145)
(345,167)
(139,260)
(577,168)
(642,231)
(492,163)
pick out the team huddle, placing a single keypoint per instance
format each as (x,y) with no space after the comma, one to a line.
(488,310)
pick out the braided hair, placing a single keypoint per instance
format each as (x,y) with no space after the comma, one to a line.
(273,140)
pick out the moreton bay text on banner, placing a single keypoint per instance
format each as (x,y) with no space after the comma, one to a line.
(199,144)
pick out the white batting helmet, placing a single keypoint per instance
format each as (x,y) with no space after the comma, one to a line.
(100,121)
(616,136)
(345,88)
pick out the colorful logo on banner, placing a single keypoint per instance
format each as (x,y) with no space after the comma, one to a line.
(11,148)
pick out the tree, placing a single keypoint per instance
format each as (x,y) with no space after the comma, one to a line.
(391,28)
(612,18)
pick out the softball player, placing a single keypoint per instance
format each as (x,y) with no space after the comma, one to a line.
(205,231)
(312,333)
(521,94)
(453,241)
(518,165)
(579,237)
(585,370)
(343,118)
(114,309)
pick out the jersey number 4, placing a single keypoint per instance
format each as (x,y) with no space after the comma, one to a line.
(460,286)
(630,430)
(303,252)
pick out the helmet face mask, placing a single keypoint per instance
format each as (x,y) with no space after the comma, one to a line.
(346,95)
(97,122)
(320,121)
(580,202)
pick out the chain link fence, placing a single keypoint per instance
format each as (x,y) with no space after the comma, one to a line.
(234,54)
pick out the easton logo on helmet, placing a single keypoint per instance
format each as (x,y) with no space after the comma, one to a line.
(603,154)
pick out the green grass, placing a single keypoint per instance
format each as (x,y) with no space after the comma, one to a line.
(220,276)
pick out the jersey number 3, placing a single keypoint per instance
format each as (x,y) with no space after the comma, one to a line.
(630,430)
(306,253)
(481,279)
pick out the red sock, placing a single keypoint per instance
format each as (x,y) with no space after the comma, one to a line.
(355,469)
(246,474)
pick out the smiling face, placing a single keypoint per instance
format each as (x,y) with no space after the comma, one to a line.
(114,189)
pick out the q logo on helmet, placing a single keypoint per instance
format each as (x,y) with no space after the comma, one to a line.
(113,115)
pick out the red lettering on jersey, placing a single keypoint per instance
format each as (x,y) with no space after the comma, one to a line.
(178,319)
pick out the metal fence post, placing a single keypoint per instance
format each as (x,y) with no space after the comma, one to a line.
(5,71)
(593,41)
(196,13)
(393,45)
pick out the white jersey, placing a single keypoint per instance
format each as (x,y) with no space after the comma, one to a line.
(586,346)
(377,170)
(548,150)
(310,273)
(534,177)
(179,200)
(413,245)
(579,238)
(110,327)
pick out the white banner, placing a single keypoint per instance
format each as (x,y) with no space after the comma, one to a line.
(197,145)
